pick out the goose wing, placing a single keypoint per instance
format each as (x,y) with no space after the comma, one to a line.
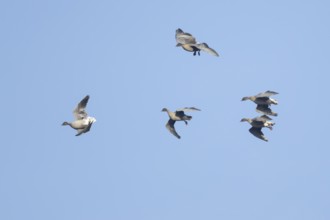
(258,133)
(184,38)
(264,109)
(180,113)
(186,109)
(206,48)
(266,94)
(263,118)
(170,127)
(79,112)
(266,117)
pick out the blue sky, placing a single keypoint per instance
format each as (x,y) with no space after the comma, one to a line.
(123,54)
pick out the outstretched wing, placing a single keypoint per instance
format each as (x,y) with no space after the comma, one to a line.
(186,109)
(79,112)
(266,94)
(184,38)
(258,133)
(170,127)
(206,48)
(263,118)
(264,109)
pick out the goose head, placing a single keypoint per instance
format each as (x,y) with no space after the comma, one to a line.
(246,98)
(245,119)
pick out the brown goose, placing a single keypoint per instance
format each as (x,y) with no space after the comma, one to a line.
(83,122)
(257,124)
(178,115)
(263,102)
(189,43)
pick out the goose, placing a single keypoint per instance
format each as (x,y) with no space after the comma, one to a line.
(189,43)
(178,115)
(263,102)
(83,122)
(257,124)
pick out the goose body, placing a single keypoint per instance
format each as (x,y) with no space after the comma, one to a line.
(83,122)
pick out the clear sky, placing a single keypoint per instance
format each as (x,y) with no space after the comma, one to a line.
(129,167)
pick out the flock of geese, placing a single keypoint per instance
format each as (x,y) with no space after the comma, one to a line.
(263,102)
(83,122)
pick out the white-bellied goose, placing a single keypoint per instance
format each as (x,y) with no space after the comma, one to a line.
(189,43)
(178,115)
(83,122)
(263,102)
(257,124)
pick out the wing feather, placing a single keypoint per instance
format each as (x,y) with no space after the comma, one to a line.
(206,48)
(264,109)
(266,94)
(258,133)
(79,112)
(170,127)
(184,38)
(186,109)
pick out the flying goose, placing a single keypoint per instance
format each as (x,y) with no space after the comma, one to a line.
(257,124)
(178,115)
(83,122)
(263,102)
(189,43)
